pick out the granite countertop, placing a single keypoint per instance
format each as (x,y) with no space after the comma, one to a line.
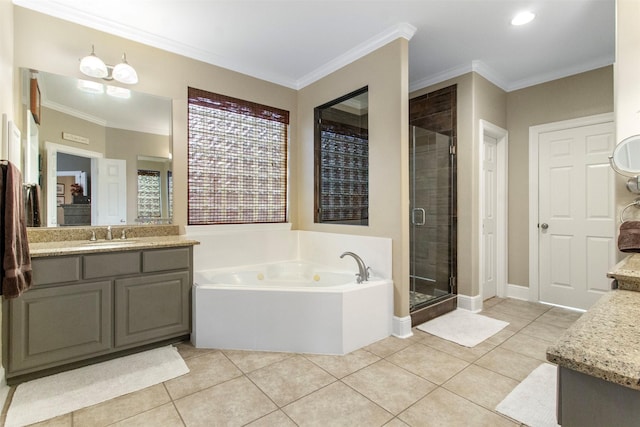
(627,273)
(71,247)
(605,341)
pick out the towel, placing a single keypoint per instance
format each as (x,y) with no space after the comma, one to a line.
(14,246)
(629,237)
(32,200)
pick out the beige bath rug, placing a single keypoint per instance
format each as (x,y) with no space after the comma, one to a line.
(533,401)
(69,391)
(463,327)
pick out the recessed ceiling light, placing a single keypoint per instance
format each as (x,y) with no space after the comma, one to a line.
(523,18)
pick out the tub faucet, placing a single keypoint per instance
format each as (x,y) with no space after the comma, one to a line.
(363,270)
(109,235)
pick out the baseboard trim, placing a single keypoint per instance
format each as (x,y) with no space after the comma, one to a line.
(473,304)
(518,292)
(402,327)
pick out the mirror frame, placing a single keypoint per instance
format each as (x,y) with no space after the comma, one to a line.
(614,159)
(343,159)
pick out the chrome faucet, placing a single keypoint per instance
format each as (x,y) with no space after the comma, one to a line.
(363,270)
(109,235)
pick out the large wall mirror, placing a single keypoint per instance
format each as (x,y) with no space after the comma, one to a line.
(342,160)
(101,153)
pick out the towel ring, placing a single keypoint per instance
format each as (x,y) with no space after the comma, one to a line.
(635,203)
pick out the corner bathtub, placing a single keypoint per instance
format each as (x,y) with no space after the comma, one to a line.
(291,306)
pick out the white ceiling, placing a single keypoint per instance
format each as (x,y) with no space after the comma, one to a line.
(295,42)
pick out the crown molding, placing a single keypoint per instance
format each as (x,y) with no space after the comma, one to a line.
(402,30)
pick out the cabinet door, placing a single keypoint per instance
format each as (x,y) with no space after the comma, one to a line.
(151,307)
(54,326)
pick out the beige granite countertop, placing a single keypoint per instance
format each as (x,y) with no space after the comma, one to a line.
(627,273)
(605,341)
(71,247)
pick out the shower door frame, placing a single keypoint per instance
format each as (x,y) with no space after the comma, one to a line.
(452,230)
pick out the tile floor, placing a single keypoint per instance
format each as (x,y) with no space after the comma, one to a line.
(420,381)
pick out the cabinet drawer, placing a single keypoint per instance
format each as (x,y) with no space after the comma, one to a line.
(151,307)
(166,259)
(59,325)
(111,264)
(47,271)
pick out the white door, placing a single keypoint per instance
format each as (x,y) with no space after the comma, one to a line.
(489,222)
(109,203)
(575,214)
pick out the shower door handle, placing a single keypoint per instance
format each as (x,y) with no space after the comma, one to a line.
(413,216)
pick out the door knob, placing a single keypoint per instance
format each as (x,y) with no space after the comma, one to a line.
(544,225)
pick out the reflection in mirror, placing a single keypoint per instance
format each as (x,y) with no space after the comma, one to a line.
(342,160)
(111,128)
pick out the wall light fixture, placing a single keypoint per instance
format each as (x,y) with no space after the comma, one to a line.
(93,66)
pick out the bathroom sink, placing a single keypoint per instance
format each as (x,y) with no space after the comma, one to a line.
(109,243)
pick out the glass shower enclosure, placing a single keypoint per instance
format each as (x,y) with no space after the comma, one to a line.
(432,211)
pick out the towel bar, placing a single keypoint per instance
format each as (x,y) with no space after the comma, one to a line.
(635,203)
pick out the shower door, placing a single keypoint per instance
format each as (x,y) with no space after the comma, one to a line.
(432,234)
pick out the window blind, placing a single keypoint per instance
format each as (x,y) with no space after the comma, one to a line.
(237,154)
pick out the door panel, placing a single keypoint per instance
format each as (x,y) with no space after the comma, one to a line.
(576,191)
(489,221)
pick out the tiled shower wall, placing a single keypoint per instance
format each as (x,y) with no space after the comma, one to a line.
(434,244)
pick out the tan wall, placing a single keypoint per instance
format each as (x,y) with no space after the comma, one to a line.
(627,84)
(53,45)
(581,95)
(385,71)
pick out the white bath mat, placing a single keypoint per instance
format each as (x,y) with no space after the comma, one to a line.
(463,327)
(61,393)
(533,401)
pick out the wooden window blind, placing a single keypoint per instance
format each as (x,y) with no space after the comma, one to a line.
(237,161)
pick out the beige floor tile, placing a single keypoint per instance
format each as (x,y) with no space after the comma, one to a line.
(341,366)
(205,371)
(121,407)
(396,422)
(443,408)
(290,379)
(525,309)
(491,302)
(469,354)
(429,363)
(59,421)
(528,346)
(388,346)
(515,323)
(274,419)
(233,403)
(389,386)
(165,416)
(336,405)
(481,386)
(500,337)
(249,361)
(508,363)
(187,350)
(543,331)
(560,317)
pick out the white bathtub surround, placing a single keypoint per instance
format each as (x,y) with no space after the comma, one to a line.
(402,327)
(229,246)
(306,314)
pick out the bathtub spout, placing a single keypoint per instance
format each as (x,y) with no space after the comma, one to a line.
(363,270)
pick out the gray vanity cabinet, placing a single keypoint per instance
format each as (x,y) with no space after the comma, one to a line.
(93,305)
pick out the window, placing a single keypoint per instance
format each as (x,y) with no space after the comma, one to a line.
(237,153)
(149,191)
(342,160)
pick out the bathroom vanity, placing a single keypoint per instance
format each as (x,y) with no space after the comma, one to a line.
(95,300)
(598,358)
